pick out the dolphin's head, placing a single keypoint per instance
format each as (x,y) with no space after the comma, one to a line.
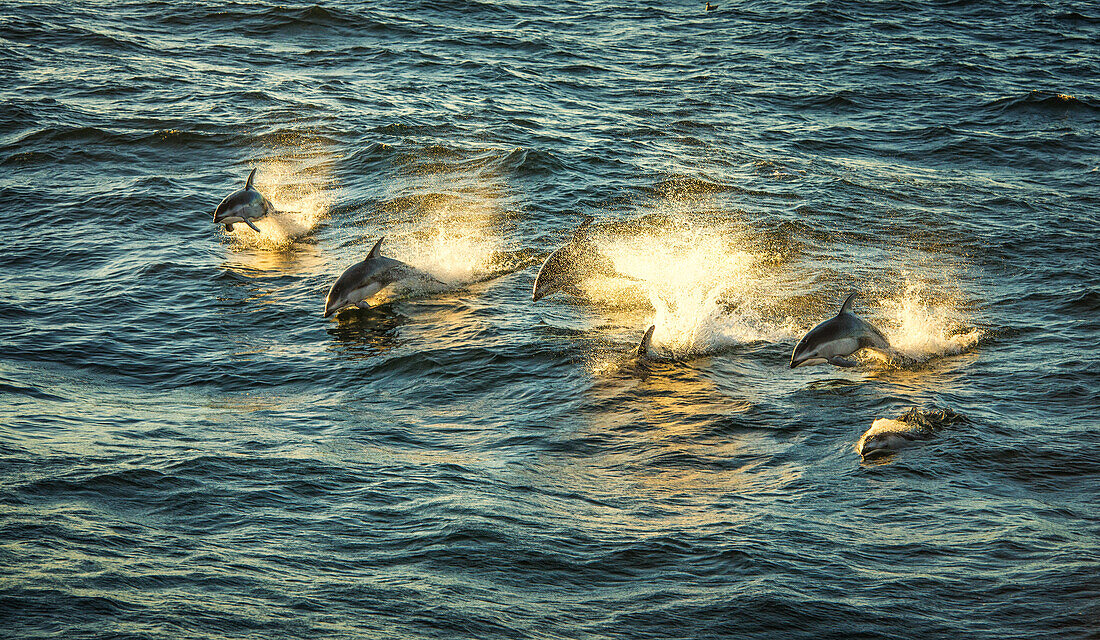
(807,351)
(358,283)
(340,293)
(884,437)
(878,445)
(335,300)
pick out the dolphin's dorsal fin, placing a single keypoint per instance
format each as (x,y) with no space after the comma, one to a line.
(647,341)
(376,250)
(847,306)
(248,182)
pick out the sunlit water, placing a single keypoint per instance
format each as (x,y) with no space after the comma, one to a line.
(188,449)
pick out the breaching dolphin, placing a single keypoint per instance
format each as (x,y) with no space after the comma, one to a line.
(837,337)
(244,206)
(887,436)
(364,279)
(568,265)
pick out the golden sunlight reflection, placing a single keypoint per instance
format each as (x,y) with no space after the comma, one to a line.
(709,283)
(299,259)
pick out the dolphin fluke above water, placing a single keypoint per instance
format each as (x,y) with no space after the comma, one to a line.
(364,279)
(838,337)
(244,205)
(578,260)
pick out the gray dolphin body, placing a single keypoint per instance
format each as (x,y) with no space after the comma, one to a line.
(364,279)
(244,206)
(578,260)
(837,337)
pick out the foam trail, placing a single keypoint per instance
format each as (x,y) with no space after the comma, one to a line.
(454,254)
(920,329)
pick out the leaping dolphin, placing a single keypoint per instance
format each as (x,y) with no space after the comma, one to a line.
(244,206)
(364,279)
(837,337)
(577,260)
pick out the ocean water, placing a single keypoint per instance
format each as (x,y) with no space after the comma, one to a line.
(189,450)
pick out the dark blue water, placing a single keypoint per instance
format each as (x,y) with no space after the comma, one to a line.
(189,450)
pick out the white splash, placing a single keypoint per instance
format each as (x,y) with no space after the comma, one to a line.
(456,243)
(706,293)
(919,328)
(455,254)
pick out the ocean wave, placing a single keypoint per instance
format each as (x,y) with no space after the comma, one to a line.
(1037,101)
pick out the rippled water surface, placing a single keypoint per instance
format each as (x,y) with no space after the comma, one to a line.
(189,450)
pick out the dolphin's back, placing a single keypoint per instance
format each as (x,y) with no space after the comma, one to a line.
(575,260)
(847,325)
(360,272)
(556,264)
(869,336)
(379,269)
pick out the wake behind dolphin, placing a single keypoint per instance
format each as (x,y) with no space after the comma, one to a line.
(838,337)
(364,279)
(244,205)
(579,259)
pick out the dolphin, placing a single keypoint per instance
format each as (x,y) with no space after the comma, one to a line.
(364,279)
(244,206)
(577,260)
(887,435)
(837,337)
